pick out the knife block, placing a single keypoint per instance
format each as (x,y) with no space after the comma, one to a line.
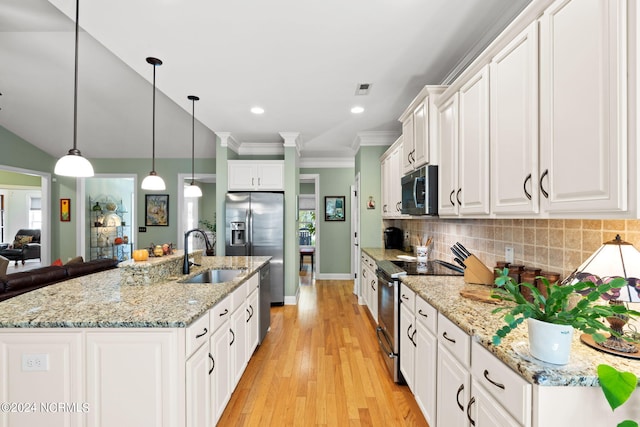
(476,272)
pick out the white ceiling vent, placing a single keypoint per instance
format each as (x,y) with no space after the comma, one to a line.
(363,88)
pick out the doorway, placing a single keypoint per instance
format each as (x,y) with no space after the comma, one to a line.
(308,225)
(197,212)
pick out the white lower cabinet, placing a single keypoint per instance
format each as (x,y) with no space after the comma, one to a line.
(198,387)
(485,411)
(453,390)
(369,284)
(426,359)
(221,375)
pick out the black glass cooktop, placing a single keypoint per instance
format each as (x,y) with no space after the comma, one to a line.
(430,268)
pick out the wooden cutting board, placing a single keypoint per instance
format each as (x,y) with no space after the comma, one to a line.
(479,294)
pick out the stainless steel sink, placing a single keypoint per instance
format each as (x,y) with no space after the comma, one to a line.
(214,276)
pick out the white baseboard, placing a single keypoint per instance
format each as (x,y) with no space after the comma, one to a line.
(334,276)
(292,299)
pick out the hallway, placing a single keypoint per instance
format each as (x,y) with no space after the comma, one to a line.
(320,365)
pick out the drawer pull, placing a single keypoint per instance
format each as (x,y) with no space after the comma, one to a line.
(203,333)
(404,297)
(444,335)
(420,312)
(486,377)
(226,311)
(458,397)
(471,402)
(213,364)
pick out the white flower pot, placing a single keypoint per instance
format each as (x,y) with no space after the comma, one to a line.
(549,342)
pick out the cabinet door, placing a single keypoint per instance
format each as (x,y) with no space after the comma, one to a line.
(198,384)
(221,375)
(408,153)
(395,187)
(270,176)
(385,186)
(242,175)
(424,376)
(147,363)
(473,154)
(407,345)
(253,324)
(448,169)
(238,329)
(514,125)
(421,134)
(453,390)
(485,411)
(583,99)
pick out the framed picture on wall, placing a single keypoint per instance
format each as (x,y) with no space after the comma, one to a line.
(65,210)
(334,208)
(156,207)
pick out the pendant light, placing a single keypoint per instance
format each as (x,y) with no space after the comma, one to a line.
(153,181)
(73,164)
(192,190)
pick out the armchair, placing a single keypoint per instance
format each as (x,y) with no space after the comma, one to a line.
(26,245)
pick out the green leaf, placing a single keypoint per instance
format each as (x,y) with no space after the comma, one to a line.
(617,386)
(628,423)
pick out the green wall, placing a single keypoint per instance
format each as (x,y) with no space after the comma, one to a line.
(334,236)
(370,185)
(12,178)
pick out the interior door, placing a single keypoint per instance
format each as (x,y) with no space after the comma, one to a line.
(355,242)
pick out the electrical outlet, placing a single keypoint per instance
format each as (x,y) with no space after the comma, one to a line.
(508,254)
(35,362)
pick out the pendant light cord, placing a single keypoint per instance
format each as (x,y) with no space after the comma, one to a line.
(75,82)
(193,138)
(153,124)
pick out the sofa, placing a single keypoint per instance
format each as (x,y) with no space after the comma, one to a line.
(19,283)
(26,245)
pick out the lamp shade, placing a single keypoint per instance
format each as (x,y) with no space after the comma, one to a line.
(153,182)
(73,164)
(192,190)
(615,258)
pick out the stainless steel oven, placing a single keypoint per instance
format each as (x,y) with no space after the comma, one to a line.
(389,322)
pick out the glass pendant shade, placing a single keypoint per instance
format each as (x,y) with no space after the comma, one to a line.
(192,190)
(73,164)
(153,182)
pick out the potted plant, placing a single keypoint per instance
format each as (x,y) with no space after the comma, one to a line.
(552,319)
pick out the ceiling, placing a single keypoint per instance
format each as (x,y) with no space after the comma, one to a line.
(299,60)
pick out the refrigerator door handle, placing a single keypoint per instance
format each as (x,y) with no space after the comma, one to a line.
(249,221)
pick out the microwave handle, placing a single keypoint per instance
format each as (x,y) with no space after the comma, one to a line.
(415,192)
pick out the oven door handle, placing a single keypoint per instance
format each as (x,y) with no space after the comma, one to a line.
(390,354)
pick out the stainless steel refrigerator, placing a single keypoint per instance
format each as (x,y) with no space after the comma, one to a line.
(255,227)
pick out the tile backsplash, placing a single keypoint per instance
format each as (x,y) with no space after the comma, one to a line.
(558,245)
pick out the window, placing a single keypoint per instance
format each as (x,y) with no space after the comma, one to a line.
(35,212)
(307,227)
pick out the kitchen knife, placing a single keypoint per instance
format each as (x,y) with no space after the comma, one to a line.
(460,263)
(458,253)
(449,266)
(463,249)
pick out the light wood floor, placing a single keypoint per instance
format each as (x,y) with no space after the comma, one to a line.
(320,366)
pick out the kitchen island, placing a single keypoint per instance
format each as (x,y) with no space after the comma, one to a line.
(107,353)
(553,389)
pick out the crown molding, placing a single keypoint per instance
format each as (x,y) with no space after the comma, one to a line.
(327,162)
(260,148)
(227,140)
(373,138)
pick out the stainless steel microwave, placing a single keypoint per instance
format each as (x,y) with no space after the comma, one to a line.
(420,191)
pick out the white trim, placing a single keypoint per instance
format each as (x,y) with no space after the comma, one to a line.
(316,192)
(260,148)
(182,177)
(45,188)
(333,276)
(373,138)
(327,162)
(292,300)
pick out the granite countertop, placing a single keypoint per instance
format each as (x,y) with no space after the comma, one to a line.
(100,300)
(476,319)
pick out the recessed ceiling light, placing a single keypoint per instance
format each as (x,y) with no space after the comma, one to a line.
(257,110)
(357,110)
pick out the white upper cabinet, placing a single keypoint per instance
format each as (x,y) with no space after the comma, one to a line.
(419,130)
(391,173)
(473,142)
(514,125)
(256,175)
(583,104)
(448,168)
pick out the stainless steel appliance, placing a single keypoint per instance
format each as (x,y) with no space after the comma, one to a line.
(255,227)
(420,191)
(265,301)
(388,330)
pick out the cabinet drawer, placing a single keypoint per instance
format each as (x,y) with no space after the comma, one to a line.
(253,283)
(408,297)
(427,315)
(454,339)
(239,296)
(504,384)
(197,334)
(369,262)
(220,313)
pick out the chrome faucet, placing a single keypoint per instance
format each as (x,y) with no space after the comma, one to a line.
(186,264)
